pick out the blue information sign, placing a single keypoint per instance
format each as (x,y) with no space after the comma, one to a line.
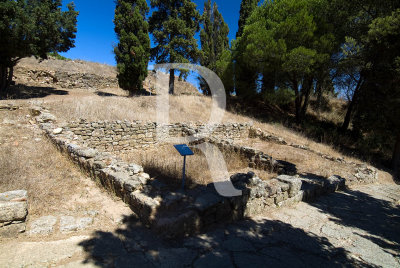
(183,149)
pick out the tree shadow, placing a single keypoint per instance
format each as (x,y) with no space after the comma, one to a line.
(105,94)
(349,143)
(23,92)
(378,220)
(248,243)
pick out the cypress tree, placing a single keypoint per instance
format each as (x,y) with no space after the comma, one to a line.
(245,76)
(173,25)
(214,40)
(246,8)
(133,50)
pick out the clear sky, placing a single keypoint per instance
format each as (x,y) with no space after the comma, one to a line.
(95,37)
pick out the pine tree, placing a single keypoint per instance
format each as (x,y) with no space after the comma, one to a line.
(133,50)
(173,25)
(246,8)
(214,40)
(33,28)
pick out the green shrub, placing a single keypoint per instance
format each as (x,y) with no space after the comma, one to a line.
(57,56)
(281,97)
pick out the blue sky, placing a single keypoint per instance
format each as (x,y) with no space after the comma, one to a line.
(95,37)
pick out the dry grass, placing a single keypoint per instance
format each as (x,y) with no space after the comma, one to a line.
(165,164)
(335,113)
(182,109)
(305,161)
(36,167)
(29,161)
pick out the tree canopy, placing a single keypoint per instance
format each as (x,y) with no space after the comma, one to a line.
(173,25)
(214,40)
(33,28)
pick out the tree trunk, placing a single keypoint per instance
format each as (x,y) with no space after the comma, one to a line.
(319,95)
(352,103)
(3,79)
(297,101)
(268,83)
(171,81)
(396,159)
(306,94)
(10,76)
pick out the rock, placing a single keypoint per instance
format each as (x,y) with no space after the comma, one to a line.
(366,174)
(335,183)
(42,253)
(13,211)
(214,259)
(237,244)
(70,224)
(86,152)
(171,257)
(244,259)
(43,225)
(136,169)
(294,184)
(206,201)
(14,195)
(12,230)
(45,118)
(57,131)
(35,111)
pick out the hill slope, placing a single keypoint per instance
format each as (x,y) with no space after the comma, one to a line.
(82,74)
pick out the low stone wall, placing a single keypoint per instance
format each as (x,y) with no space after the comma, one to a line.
(164,209)
(13,212)
(124,135)
(173,213)
(362,173)
(256,158)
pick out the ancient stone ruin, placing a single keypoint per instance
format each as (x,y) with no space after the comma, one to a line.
(169,211)
(13,212)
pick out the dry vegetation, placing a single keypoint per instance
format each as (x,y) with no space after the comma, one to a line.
(55,185)
(70,66)
(113,104)
(165,164)
(306,162)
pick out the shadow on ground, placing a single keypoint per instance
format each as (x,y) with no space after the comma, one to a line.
(105,94)
(22,92)
(248,243)
(378,220)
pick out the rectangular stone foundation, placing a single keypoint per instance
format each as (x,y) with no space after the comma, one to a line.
(175,214)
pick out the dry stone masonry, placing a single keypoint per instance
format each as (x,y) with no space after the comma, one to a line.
(120,136)
(164,209)
(13,212)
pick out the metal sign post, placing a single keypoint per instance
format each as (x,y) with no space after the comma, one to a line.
(184,151)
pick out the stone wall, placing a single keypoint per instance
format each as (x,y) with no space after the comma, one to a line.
(13,212)
(175,213)
(120,136)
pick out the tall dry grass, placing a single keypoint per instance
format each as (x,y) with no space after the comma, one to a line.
(165,163)
(182,109)
(28,161)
